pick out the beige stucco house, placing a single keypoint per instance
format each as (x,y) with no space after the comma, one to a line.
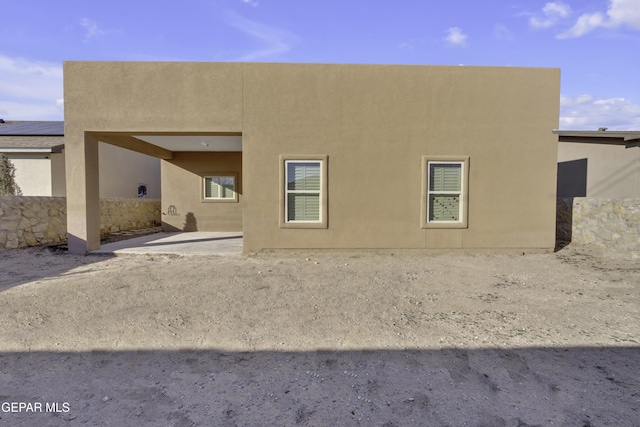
(37,151)
(598,163)
(325,156)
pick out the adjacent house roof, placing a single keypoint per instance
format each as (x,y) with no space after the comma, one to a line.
(628,138)
(40,128)
(32,137)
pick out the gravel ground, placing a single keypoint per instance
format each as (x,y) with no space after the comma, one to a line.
(320,339)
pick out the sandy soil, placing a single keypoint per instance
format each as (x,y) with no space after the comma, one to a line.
(371,339)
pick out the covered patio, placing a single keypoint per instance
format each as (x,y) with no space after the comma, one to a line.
(179,243)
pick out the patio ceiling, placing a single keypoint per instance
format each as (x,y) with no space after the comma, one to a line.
(194,142)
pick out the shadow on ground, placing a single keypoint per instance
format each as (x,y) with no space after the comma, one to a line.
(586,386)
(20,266)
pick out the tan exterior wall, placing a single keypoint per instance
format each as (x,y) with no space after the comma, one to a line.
(182,204)
(373,122)
(598,170)
(133,98)
(122,170)
(152,96)
(32,173)
(58,180)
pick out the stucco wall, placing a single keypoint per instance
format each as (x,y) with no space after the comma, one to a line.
(373,122)
(610,223)
(598,170)
(58,181)
(121,171)
(29,221)
(182,204)
(32,173)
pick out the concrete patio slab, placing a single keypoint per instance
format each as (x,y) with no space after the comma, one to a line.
(181,243)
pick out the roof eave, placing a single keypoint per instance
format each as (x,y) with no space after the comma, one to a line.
(626,138)
(29,150)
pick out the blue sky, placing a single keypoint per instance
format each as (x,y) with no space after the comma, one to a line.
(596,43)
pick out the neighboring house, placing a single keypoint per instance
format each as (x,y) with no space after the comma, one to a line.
(598,163)
(326,156)
(36,149)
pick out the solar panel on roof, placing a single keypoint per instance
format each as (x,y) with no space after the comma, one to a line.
(44,128)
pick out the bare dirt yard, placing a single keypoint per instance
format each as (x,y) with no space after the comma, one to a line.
(320,339)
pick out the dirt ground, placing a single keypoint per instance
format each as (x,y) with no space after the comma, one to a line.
(320,339)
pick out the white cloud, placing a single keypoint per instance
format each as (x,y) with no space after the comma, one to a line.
(501,31)
(584,112)
(557,9)
(455,37)
(620,14)
(571,102)
(250,2)
(275,41)
(91,28)
(30,90)
(552,13)
(585,24)
(625,13)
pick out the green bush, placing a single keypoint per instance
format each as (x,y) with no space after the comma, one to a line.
(8,185)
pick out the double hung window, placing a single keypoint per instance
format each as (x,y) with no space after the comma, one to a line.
(445,182)
(304,192)
(445,189)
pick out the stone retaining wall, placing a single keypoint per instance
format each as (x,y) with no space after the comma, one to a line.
(128,214)
(30,221)
(610,223)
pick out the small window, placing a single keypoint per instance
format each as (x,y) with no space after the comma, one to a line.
(219,188)
(304,192)
(445,192)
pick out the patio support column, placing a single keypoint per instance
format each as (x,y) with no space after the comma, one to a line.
(83,192)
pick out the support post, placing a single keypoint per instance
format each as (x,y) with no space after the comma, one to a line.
(83,192)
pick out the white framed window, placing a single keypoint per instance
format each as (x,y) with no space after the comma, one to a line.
(304,192)
(445,194)
(219,188)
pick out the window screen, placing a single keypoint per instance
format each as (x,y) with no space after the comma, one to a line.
(303,191)
(445,190)
(219,187)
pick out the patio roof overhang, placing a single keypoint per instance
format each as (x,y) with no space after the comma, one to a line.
(164,144)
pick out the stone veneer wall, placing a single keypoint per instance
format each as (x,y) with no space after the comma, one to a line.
(30,221)
(610,223)
(128,214)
